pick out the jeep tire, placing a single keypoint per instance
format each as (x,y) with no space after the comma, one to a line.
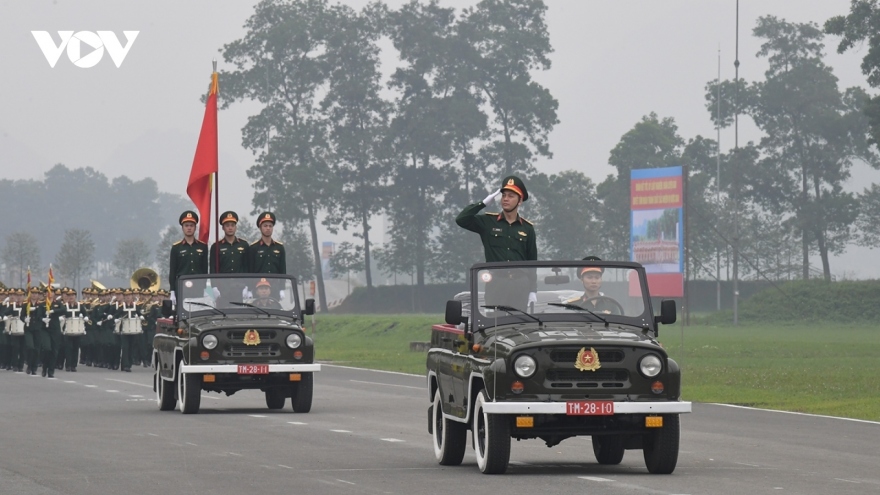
(301,398)
(608,449)
(275,398)
(164,391)
(491,434)
(189,391)
(660,446)
(450,437)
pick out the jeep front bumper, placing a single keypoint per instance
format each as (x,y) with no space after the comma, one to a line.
(560,407)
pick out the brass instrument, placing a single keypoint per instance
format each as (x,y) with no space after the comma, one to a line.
(144,278)
(98,285)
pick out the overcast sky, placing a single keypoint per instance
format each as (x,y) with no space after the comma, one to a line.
(614,61)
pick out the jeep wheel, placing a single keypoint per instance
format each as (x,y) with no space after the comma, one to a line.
(189,391)
(491,438)
(164,392)
(661,446)
(608,449)
(450,437)
(275,399)
(301,400)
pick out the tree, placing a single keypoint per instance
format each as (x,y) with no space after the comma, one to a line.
(299,259)
(568,212)
(282,63)
(21,252)
(76,257)
(347,258)
(359,119)
(813,133)
(860,25)
(498,44)
(130,255)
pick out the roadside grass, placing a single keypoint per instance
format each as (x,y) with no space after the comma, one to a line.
(827,368)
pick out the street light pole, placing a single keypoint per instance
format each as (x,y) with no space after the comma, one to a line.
(736,184)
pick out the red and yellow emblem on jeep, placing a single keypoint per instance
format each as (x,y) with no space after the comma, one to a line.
(252,337)
(587,360)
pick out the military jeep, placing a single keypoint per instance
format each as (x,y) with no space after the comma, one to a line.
(576,363)
(232,332)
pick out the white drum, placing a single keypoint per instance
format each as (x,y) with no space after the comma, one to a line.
(14,326)
(74,327)
(130,326)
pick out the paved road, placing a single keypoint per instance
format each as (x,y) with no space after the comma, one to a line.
(98,432)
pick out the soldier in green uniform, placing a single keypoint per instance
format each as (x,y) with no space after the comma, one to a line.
(74,310)
(592,299)
(54,311)
(129,343)
(152,310)
(86,343)
(4,338)
(102,326)
(230,254)
(34,331)
(266,254)
(189,255)
(506,236)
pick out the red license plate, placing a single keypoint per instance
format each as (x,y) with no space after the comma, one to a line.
(589,408)
(253,369)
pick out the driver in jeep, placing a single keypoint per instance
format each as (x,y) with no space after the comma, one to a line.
(593,299)
(264,293)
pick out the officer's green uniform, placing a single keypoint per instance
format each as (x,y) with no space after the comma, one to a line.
(4,339)
(229,257)
(187,259)
(130,344)
(72,343)
(505,241)
(152,313)
(34,334)
(16,342)
(53,329)
(267,258)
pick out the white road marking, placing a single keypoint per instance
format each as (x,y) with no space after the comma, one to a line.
(796,413)
(848,481)
(92,386)
(392,440)
(233,453)
(256,415)
(296,423)
(366,369)
(285,467)
(69,381)
(136,396)
(128,382)
(152,434)
(348,482)
(594,478)
(341,431)
(112,391)
(745,464)
(388,384)
(190,443)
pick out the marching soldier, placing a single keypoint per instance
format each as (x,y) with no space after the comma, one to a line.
(230,254)
(266,254)
(73,311)
(189,255)
(13,311)
(506,236)
(54,312)
(34,333)
(130,343)
(4,338)
(87,343)
(151,311)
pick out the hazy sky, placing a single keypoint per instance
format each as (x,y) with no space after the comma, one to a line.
(614,61)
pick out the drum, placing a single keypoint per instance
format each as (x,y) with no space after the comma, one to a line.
(130,326)
(74,327)
(14,326)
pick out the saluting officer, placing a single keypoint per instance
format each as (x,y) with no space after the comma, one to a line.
(506,235)
(266,254)
(230,254)
(188,255)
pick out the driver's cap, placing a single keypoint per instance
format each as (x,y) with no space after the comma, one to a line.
(588,269)
(263,283)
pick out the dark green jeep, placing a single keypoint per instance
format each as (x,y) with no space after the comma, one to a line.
(234,332)
(583,360)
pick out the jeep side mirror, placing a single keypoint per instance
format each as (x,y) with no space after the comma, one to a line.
(310,307)
(167,308)
(667,312)
(453,312)
(556,279)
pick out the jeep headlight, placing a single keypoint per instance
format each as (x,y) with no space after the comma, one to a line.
(209,341)
(650,365)
(294,340)
(525,366)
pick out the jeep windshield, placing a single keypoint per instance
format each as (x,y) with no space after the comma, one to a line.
(237,293)
(565,291)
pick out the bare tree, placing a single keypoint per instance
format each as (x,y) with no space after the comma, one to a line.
(76,257)
(21,252)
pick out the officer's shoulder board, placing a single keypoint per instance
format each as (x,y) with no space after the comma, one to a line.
(492,213)
(200,242)
(572,300)
(255,242)
(526,221)
(276,242)
(178,242)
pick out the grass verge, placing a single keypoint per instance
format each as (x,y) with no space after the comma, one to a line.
(818,368)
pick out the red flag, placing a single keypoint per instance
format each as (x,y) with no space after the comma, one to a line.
(200,185)
(28,292)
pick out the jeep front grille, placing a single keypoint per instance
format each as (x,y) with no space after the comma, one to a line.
(573,378)
(239,334)
(259,350)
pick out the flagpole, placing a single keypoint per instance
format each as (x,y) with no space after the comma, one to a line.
(217,186)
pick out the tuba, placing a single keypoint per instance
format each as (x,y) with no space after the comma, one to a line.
(98,285)
(144,278)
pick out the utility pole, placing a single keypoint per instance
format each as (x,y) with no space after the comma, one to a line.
(736,184)
(718,182)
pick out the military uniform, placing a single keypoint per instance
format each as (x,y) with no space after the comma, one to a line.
(13,310)
(505,241)
(4,338)
(267,257)
(34,332)
(186,258)
(229,257)
(130,343)
(54,312)
(151,311)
